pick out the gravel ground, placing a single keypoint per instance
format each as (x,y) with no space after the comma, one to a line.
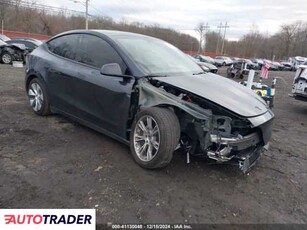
(51,162)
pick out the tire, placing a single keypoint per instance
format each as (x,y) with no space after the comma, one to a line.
(152,146)
(38,97)
(224,64)
(6,58)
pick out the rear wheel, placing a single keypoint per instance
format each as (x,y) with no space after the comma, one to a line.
(154,136)
(38,98)
(6,58)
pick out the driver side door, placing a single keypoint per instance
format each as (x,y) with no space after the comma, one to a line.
(102,100)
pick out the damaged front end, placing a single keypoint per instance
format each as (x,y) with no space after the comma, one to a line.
(208,129)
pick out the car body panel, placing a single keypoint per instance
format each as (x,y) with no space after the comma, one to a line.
(299,86)
(211,67)
(221,60)
(224,92)
(82,91)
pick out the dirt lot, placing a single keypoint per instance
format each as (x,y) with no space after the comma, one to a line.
(50,162)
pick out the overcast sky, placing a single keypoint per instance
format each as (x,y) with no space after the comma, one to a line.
(184,15)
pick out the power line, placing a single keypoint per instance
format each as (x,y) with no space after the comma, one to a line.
(37,6)
(99,11)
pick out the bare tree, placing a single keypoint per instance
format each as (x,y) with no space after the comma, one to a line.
(211,40)
(286,35)
(4,6)
(200,29)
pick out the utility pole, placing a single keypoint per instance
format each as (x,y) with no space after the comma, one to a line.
(2,26)
(218,38)
(86,14)
(86,10)
(225,27)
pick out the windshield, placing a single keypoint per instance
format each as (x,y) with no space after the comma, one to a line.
(156,57)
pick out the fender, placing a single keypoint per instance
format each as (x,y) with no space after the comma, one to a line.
(150,96)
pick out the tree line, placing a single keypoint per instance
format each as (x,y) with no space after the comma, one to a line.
(289,41)
(31,17)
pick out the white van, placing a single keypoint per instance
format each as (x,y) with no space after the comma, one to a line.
(296,61)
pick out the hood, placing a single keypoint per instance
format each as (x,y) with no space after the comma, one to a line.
(208,65)
(222,91)
(19,46)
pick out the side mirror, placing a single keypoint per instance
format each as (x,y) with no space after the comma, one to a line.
(111,69)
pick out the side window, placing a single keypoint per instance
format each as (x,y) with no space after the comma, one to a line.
(96,52)
(65,46)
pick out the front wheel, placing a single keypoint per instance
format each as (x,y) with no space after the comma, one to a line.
(154,136)
(6,58)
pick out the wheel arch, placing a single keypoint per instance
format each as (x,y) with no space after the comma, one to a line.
(30,76)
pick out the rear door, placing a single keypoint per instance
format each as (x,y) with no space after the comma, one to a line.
(62,71)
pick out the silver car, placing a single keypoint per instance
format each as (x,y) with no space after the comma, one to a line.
(223,61)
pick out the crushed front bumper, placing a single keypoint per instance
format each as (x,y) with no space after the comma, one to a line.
(246,160)
(244,151)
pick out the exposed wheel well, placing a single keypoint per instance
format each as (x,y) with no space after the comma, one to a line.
(29,79)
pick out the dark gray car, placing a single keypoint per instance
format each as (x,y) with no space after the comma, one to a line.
(148,94)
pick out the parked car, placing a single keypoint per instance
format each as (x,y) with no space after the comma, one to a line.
(206,59)
(207,67)
(279,66)
(212,68)
(287,66)
(224,61)
(147,93)
(30,43)
(12,52)
(273,66)
(258,61)
(296,62)
(251,65)
(234,59)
